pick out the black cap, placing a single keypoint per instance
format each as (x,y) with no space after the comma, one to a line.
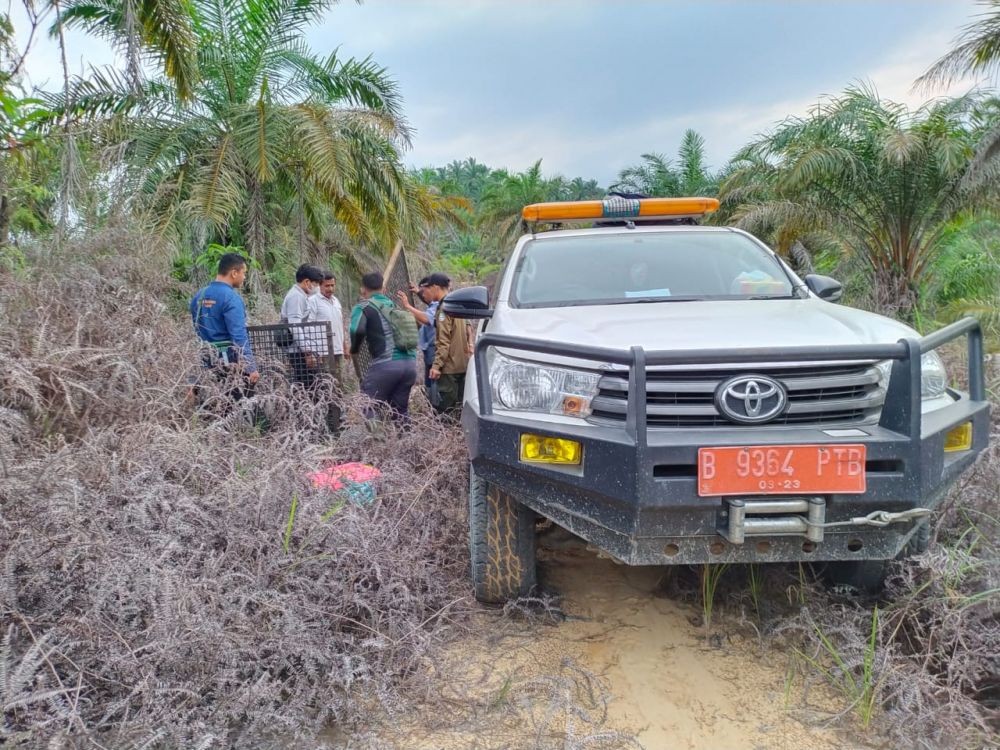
(437,279)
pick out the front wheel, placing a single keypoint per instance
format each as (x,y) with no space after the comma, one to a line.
(501,543)
(868,576)
(863,576)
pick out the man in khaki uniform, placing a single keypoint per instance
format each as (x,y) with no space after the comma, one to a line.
(451,360)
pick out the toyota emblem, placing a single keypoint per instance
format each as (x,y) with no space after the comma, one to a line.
(751,399)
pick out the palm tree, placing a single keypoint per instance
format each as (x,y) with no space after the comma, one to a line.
(269,125)
(503,199)
(469,177)
(657,176)
(157,31)
(579,189)
(966,276)
(879,181)
(654,176)
(976,52)
(695,177)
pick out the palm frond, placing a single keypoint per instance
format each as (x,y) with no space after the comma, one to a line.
(901,146)
(976,51)
(165,31)
(218,192)
(984,167)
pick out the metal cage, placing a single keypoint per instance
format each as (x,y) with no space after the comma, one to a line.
(281,349)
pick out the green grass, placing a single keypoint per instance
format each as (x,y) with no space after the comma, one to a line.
(291,521)
(503,694)
(862,687)
(710,576)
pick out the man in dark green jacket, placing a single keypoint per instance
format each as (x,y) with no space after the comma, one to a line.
(394,369)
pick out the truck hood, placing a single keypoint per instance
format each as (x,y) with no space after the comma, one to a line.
(701,325)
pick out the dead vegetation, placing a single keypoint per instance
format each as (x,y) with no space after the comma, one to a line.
(920,666)
(171,579)
(933,664)
(157,588)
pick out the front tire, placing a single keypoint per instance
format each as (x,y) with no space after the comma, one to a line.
(920,540)
(868,576)
(861,576)
(501,543)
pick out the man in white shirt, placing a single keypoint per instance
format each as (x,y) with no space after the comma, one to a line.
(326,307)
(302,354)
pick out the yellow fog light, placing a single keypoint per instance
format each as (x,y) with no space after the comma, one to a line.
(539,449)
(958,438)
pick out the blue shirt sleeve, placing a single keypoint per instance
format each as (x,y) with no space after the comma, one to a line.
(235,316)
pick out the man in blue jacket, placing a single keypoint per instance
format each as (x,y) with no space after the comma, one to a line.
(220,319)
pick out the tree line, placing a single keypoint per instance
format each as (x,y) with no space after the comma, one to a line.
(224,129)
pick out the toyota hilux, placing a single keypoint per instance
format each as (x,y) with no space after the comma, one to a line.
(674,393)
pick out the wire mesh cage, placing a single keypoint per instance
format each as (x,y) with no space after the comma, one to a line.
(298,352)
(303,354)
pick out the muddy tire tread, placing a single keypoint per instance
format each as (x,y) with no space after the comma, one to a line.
(501,543)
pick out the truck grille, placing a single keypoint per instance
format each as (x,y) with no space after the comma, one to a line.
(836,394)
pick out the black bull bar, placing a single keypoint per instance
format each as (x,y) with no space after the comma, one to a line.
(636,529)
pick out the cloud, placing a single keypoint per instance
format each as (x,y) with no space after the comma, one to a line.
(589,86)
(380,25)
(575,139)
(894,79)
(43,67)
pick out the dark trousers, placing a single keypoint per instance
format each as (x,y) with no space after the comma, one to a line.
(451,388)
(225,368)
(235,387)
(428,361)
(390,382)
(301,372)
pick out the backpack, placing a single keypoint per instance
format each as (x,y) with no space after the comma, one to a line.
(402,325)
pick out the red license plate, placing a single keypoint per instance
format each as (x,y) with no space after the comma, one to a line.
(781,470)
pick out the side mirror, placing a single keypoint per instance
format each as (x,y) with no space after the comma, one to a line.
(824,287)
(471,303)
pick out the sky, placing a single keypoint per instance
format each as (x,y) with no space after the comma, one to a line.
(589,86)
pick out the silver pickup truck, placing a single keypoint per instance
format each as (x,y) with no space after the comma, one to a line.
(675,394)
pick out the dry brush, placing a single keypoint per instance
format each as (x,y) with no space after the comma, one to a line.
(156,588)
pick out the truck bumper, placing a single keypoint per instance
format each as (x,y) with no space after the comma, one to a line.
(635,495)
(643,507)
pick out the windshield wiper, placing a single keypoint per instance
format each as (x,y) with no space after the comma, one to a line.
(646,300)
(768,296)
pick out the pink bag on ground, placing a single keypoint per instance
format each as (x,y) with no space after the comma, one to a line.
(355,480)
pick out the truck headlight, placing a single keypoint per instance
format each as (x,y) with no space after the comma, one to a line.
(524,386)
(933,377)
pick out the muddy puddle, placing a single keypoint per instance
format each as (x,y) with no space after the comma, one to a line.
(623,666)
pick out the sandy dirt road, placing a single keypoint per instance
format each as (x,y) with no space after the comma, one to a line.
(626,667)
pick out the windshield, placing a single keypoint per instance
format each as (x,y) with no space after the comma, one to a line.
(635,267)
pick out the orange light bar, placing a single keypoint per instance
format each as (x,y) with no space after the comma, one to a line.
(619,208)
